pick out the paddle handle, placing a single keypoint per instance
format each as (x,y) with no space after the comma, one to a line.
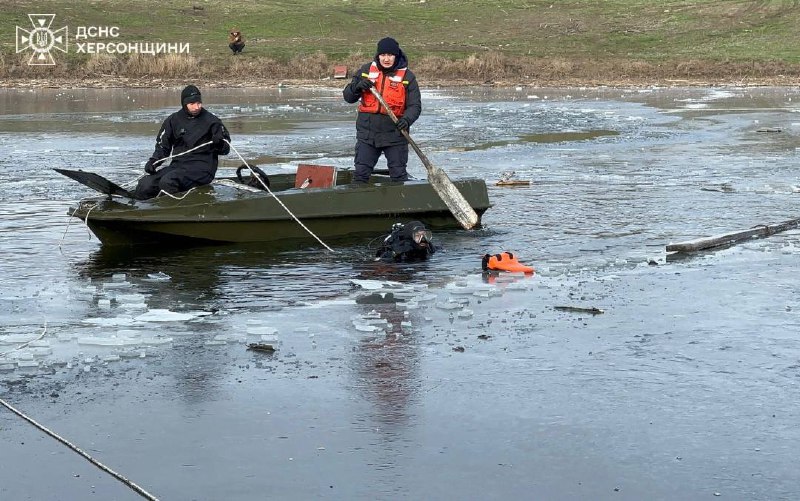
(428,165)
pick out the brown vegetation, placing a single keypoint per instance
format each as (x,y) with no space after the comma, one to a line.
(492,68)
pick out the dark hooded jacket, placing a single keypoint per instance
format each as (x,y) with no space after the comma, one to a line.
(400,245)
(181,132)
(377,129)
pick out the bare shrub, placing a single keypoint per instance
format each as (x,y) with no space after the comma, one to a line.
(17,66)
(689,69)
(164,66)
(491,67)
(636,68)
(315,66)
(104,64)
(559,68)
(246,69)
(484,67)
(312,66)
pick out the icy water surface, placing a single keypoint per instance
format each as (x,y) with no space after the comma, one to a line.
(422,381)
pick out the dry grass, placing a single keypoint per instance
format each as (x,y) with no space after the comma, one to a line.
(572,42)
(491,67)
(162,66)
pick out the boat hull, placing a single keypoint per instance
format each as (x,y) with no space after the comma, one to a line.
(227,213)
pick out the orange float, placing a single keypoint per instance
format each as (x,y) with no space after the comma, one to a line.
(505,261)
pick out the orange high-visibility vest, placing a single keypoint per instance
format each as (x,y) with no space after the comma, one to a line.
(392,88)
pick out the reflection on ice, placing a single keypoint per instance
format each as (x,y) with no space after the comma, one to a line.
(377,284)
(366,327)
(465,313)
(109,322)
(17,338)
(449,305)
(135,340)
(231,338)
(161,315)
(159,277)
(261,330)
(371,321)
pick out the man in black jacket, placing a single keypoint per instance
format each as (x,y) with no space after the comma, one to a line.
(181,136)
(407,242)
(375,131)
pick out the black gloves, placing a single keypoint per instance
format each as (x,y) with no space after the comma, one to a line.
(401,124)
(363,85)
(150,166)
(218,140)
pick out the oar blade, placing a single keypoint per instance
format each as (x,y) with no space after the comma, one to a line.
(96,182)
(447,191)
(455,201)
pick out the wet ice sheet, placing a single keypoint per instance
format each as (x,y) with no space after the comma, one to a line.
(429,361)
(603,204)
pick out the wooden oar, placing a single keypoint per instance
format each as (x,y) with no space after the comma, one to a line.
(733,237)
(447,191)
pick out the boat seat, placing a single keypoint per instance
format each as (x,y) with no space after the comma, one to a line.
(315,176)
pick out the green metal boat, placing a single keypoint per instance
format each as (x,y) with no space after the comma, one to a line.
(230,210)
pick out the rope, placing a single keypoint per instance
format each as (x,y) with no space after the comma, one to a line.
(23,345)
(69,221)
(133,182)
(183,152)
(77,449)
(162,192)
(170,195)
(252,172)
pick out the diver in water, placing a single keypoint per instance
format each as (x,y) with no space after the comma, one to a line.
(407,242)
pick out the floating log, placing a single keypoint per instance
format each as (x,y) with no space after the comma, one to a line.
(580,309)
(264,347)
(512,182)
(731,238)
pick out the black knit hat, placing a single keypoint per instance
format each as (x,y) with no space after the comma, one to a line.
(388,46)
(190,94)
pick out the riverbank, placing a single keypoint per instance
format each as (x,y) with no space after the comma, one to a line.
(314,70)
(618,82)
(628,43)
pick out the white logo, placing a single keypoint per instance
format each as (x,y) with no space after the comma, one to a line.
(41,40)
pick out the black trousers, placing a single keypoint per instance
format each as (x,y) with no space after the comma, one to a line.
(171,179)
(367,156)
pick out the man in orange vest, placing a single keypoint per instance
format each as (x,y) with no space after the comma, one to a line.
(375,131)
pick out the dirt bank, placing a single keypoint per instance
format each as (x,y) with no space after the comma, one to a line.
(316,70)
(139,83)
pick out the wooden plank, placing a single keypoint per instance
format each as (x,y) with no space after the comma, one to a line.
(732,237)
(512,183)
(315,176)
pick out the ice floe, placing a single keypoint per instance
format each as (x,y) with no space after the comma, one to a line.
(162,315)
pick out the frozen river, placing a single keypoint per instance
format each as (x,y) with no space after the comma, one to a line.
(421,381)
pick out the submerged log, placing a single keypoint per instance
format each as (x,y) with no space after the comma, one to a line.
(513,182)
(734,237)
(579,309)
(264,347)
